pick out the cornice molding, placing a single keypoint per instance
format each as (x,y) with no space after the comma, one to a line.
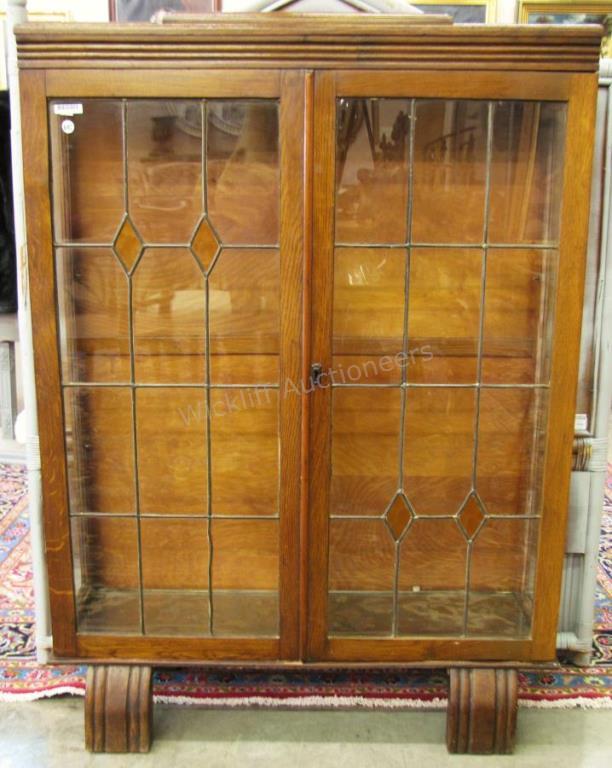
(292,40)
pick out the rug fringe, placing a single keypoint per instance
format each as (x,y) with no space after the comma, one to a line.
(360,702)
(575,702)
(314,702)
(302,702)
(47,693)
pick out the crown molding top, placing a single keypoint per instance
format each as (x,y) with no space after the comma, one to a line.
(293,40)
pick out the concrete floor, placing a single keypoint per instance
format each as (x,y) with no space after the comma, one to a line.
(49,734)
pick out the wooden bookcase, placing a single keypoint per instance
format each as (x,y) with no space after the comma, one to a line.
(306,296)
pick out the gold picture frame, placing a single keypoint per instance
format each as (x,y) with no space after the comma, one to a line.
(553,12)
(459,10)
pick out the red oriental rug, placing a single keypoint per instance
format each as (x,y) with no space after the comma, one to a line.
(22,679)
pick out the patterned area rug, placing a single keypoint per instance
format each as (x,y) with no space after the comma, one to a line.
(21,678)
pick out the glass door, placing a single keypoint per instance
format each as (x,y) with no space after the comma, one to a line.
(175,325)
(436,265)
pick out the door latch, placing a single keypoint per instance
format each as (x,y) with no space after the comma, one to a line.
(316,373)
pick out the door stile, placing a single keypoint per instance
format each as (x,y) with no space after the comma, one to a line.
(565,357)
(291,266)
(308,192)
(320,416)
(41,274)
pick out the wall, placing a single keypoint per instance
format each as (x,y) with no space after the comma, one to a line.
(53,10)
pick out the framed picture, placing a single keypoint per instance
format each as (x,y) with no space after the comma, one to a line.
(544,12)
(145,10)
(462,11)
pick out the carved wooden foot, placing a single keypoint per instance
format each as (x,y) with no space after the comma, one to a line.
(482,707)
(118,709)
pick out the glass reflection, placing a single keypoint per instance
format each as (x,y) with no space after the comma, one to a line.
(164,157)
(169,302)
(450,150)
(92,293)
(99,449)
(242,166)
(372,170)
(105,562)
(526,172)
(87,170)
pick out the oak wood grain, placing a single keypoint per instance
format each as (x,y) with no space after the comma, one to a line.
(290,40)
(46,360)
(570,288)
(321,319)
(482,710)
(292,245)
(118,709)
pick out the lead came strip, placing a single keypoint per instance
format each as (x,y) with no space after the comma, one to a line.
(133,380)
(485,253)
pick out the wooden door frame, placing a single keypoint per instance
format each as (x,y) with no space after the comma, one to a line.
(37,86)
(579,91)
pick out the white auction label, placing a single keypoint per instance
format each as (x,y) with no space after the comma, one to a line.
(68,110)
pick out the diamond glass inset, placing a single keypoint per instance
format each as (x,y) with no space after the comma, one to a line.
(399,516)
(128,245)
(471,516)
(205,245)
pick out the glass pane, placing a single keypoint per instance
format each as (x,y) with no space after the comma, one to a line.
(368,318)
(526,172)
(245,451)
(432,613)
(93,315)
(445,326)
(243,171)
(439,448)
(105,557)
(361,573)
(502,578)
(519,313)
(432,575)
(245,570)
(433,557)
(360,613)
(175,576)
(172,468)
(365,450)
(450,146)
(99,449)
(511,444)
(244,317)
(372,170)
(164,157)
(444,314)
(155,295)
(169,305)
(87,170)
